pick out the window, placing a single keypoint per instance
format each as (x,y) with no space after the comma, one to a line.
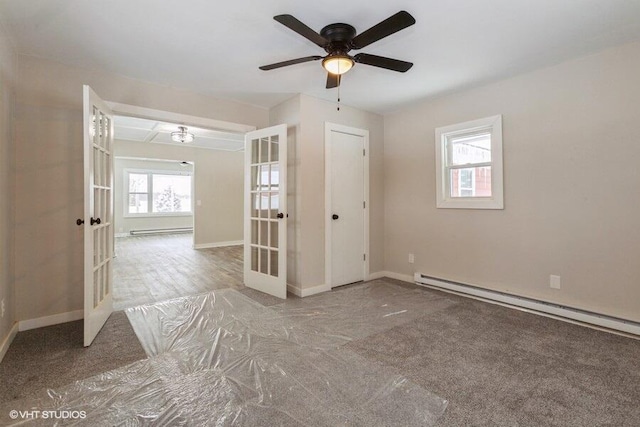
(157,193)
(469,165)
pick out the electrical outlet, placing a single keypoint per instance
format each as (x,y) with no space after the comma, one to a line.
(412,258)
(2,308)
(554,282)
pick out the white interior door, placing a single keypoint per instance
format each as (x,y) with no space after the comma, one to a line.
(346,202)
(265,226)
(98,214)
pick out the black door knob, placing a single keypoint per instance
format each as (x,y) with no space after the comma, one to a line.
(280,215)
(334,216)
(95,221)
(79,221)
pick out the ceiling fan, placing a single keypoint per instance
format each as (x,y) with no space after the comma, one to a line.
(339,39)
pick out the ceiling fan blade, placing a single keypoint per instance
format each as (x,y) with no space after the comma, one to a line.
(383,62)
(393,24)
(333,80)
(290,62)
(294,24)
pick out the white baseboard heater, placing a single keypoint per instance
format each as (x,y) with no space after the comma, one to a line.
(533,305)
(162,231)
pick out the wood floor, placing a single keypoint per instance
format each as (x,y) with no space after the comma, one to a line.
(155,268)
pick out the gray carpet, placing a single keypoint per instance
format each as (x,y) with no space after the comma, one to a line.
(503,367)
(496,366)
(54,356)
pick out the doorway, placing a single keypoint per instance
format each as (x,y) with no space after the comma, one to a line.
(346,204)
(177,212)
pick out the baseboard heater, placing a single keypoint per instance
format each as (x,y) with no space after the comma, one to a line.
(533,305)
(162,231)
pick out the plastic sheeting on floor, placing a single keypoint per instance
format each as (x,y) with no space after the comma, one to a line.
(323,321)
(223,359)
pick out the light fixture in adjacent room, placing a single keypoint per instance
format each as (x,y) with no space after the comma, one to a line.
(181,135)
(337,64)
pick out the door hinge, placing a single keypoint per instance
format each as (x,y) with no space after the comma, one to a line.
(364,257)
(364,205)
(364,152)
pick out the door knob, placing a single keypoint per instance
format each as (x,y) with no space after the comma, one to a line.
(280,215)
(334,216)
(95,221)
(79,221)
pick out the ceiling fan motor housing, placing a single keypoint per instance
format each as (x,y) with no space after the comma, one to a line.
(339,36)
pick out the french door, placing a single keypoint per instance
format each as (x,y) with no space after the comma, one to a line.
(98,214)
(265,216)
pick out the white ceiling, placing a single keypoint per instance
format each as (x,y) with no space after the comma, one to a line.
(155,132)
(215,47)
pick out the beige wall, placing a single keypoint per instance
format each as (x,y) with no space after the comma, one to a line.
(308,170)
(7,83)
(124,224)
(48,161)
(218,184)
(572,187)
(571,182)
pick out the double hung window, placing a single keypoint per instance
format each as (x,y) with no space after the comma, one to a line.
(469,165)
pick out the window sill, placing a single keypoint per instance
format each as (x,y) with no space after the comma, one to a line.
(158,215)
(470,203)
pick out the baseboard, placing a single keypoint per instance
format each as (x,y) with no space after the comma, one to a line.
(55,319)
(376,275)
(305,292)
(402,277)
(218,244)
(543,308)
(294,290)
(8,340)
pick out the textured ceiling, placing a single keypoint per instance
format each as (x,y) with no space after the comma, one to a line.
(215,47)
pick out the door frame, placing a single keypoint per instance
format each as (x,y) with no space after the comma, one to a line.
(129,110)
(328,258)
(120,109)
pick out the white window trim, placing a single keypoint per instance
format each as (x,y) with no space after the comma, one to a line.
(126,193)
(443,193)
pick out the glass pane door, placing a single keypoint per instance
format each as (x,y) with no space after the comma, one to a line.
(265,213)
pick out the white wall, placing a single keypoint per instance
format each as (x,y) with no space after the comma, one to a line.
(49,171)
(124,224)
(7,194)
(218,181)
(572,187)
(308,115)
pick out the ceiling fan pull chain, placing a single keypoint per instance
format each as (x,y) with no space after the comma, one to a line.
(338,98)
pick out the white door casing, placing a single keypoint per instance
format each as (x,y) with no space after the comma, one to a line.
(347,197)
(265,215)
(98,214)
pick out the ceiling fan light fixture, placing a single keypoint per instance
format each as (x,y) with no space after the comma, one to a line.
(182,136)
(337,64)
